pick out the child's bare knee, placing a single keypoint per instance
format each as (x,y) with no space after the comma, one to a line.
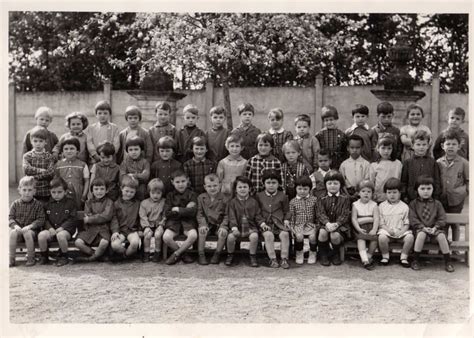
(268,235)
(116,245)
(192,234)
(43,236)
(384,239)
(284,236)
(323,235)
(79,242)
(335,238)
(441,237)
(168,236)
(103,243)
(299,237)
(253,237)
(222,233)
(409,239)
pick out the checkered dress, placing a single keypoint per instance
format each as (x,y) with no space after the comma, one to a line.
(255,167)
(32,163)
(302,212)
(197,171)
(280,139)
(335,142)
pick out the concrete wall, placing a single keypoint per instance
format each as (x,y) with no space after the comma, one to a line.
(293,101)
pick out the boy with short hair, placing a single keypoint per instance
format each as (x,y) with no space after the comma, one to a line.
(385,128)
(355,169)
(394,224)
(135,165)
(101,131)
(279,134)
(152,219)
(39,163)
(317,177)
(309,144)
(420,164)
(162,127)
(61,222)
(211,217)
(333,215)
(43,117)
(124,225)
(428,219)
(454,172)
(331,138)
(165,164)
(199,166)
(25,219)
(275,209)
(217,135)
(456,118)
(107,170)
(360,115)
(180,213)
(187,133)
(247,131)
(133,116)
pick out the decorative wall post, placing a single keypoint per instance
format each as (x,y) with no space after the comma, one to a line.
(209,100)
(12,174)
(318,102)
(435,104)
(108,94)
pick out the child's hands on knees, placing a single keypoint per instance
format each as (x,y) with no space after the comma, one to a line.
(286,223)
(190,205)
(427,230)
(147,232)
(175,209)
(222,232)
(115,236)
(264,227)
(26,229)
(373,232)
(203,230)
(52,232)
(235,232)
(17,228)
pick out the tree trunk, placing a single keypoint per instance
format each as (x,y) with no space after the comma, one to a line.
(226,94)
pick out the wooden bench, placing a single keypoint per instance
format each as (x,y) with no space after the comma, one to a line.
(455,246)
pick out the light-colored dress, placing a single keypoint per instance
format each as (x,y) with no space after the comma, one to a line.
(409,130)
(365,210)
(380,172)
(227,170)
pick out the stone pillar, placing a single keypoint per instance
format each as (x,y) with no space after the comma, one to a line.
(400,112)
(12,174)
(435,105)
(108,95)
(318,103)
(209,101)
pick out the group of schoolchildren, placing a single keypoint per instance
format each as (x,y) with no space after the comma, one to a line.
(377,185)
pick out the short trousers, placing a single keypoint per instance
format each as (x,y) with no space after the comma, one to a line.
(178,226)
(93,238)
(21,239)
(212,230)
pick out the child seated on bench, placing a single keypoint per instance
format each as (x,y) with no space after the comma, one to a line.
(61,222)
(394,224)
(125,222)
(428,219)
(211,217)
(180,213)
(244,219)
(26,218)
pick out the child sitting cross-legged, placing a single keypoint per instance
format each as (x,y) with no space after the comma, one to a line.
(25,219)
(276,217)
(152,219)
(124,226)
(98,213)
(365,220)
(302,221)
(393,223)
(211,217)
(61,222)
(180,213)
(333,212)
(244,218)
(428,219)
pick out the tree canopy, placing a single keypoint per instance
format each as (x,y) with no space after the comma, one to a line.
(77,50)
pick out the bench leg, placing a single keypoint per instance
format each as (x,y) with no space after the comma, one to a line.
(466,257)
(342,252)
(164,248)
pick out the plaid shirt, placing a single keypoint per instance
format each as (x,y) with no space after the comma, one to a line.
(156,132)
(280,137)
(290,173)
(32,163)
(197,171)
(255,167)
(25,213)
(335,142)
(302,211)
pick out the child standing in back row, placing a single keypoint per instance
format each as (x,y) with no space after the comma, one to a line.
(356,168)
(385,128)
(360,115)
(217,135)
(279,134)
(456,118)
(185,136)
(102,131)
(415,115)
(247,131)
(43,117)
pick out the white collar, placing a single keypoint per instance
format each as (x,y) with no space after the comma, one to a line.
(336,194)
(271,195)
(322,171)
(302,198)
(279,131)
(354,126)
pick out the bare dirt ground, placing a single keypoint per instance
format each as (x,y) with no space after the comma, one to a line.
(134,292)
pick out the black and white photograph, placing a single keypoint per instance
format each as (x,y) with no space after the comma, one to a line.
(226,165)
